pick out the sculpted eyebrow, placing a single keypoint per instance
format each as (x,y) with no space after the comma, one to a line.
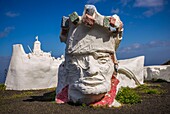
(98,55)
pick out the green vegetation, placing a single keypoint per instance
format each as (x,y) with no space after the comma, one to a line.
(125,95)
(23,94)
(132,96)
(128,96)
(49,96)
(84,105)
(2,87)
(150,89)
(51,89)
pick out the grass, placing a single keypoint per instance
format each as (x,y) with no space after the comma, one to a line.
(84,105)
(128,96)
(23,94)
(150,89)
(2,87)
(49,96)
(50,89)
(132,96)
(17,95)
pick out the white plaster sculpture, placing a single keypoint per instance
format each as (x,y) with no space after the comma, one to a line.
(90,69)
(157,72)
(134,66)
(35,70)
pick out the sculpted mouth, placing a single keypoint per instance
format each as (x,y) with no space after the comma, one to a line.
(92,85)
(94,80)
(95,84)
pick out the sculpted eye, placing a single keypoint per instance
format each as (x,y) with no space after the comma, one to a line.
(102,60)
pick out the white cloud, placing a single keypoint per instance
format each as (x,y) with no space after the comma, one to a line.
(155,52)
(12,14)
(93,1)
(115,11)
(152,11)
(6,31)
(140,47)
(125,2)
(153,6)
(149,13)
(148,3)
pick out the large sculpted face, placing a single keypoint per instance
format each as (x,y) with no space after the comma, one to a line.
(91,41)
(90,74)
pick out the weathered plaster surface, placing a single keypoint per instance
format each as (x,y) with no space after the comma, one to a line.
(157,72)
(36,70)
(135,65)
(88,72)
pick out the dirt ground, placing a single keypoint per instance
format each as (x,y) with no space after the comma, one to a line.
(42,102)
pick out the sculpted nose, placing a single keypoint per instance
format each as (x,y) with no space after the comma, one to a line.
(91,72)
(92,69)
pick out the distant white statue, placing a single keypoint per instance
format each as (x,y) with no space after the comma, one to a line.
(35,70)
(89,74)
(37,47)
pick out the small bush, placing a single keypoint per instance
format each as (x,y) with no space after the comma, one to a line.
(128,96)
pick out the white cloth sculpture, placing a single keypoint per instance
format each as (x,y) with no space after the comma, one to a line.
(135,65)
(36,70)
(157,72)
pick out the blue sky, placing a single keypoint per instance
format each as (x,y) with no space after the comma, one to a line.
(146,25)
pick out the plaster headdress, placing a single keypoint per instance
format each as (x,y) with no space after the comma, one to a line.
(91,32)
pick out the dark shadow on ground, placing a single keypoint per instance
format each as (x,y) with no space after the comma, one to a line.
(156,81)
(46,97)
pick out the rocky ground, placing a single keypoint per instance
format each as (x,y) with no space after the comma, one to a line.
(42,101)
